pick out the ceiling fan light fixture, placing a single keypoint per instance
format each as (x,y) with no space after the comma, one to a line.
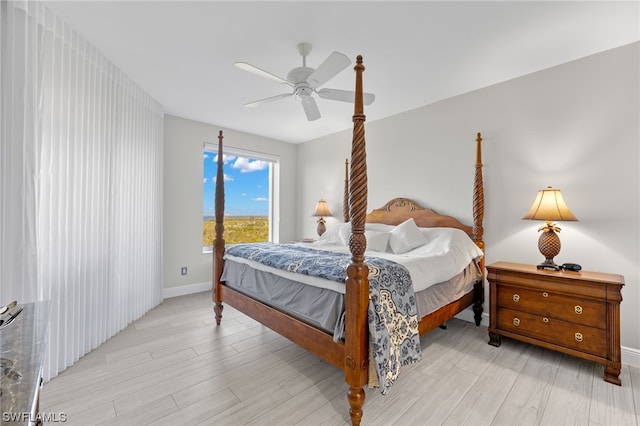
(303,90)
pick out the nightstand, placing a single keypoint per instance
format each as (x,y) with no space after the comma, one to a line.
(577,313)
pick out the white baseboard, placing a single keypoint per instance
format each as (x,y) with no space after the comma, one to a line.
(183,290)
(630,356)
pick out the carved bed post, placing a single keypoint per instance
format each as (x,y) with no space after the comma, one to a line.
(345,198)
(218,244)
(478,196)
(357,284)
(478,230)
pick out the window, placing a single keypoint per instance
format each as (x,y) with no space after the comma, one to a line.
(250,179)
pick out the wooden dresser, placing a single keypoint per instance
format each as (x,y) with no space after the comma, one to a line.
(577,313)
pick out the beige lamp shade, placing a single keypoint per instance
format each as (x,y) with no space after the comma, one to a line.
(549,206)
(322,209)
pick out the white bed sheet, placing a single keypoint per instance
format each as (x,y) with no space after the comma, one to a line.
(447,252)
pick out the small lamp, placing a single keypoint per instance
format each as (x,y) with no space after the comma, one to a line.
(549,206)
(322,210)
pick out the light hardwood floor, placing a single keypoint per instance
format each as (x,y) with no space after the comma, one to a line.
(175,367)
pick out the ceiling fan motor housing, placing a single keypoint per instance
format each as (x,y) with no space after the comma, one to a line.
(298,76)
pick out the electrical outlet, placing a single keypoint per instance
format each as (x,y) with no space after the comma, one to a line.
(183,270)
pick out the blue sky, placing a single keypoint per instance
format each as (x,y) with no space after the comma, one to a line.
(246,185)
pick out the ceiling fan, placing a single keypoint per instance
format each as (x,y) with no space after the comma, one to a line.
(305,81)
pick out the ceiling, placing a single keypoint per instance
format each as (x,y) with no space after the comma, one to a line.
(416,53)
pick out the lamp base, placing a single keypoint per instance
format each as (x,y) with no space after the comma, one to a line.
(549,264)
(321,226)
(549,246)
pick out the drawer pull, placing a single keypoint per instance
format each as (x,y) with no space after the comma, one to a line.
(545,320)
(578,309)
(516,297)
(578,337)
(516,322)
(545,294)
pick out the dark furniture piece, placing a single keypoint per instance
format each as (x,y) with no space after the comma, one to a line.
(577,313)
(23,344)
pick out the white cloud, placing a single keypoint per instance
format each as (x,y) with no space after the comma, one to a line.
(204,180)
(261,199)
(246,166)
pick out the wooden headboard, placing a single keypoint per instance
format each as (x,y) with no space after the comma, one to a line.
(400,209)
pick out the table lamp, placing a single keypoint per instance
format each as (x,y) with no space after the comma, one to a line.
(549,206)
(322,210)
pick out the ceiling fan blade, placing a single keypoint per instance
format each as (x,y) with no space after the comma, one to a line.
(267,100)
(255,70)
(310,108)
(331,66)
(345,95)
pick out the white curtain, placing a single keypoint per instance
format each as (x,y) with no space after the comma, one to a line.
(80,184)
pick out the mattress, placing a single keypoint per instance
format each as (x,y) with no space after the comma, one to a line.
(323,307)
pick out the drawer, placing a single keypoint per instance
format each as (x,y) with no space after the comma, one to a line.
(554,305)
(582,338)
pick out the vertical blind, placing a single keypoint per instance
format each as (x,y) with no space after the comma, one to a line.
(80,184)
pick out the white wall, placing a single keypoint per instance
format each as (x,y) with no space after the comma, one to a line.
(574,127)
(183,150)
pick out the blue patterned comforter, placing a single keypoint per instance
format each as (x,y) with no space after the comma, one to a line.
(392,317)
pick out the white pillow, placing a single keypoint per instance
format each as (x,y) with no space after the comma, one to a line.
(345,233)
(405,237)
(333,235)
(377,241)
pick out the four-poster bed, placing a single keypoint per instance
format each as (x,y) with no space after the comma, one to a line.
(352,351)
